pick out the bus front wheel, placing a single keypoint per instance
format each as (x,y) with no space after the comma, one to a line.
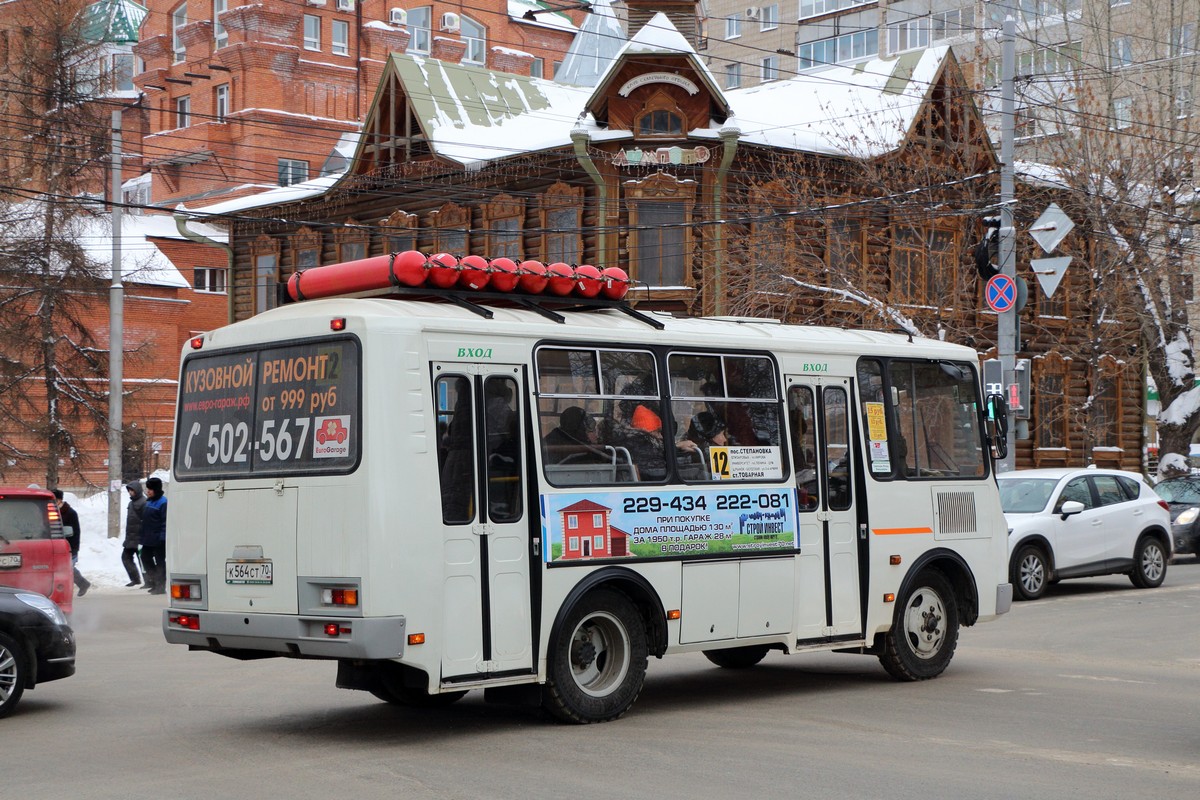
(924,630)
(597,661)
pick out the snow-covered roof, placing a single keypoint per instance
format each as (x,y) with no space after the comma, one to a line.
(141,261)
(267,197)
(544,14)
(595,49)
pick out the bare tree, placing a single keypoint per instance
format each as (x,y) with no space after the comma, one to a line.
(51,373)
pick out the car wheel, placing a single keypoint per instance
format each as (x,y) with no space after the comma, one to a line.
(1029,573)
(14,666)
(1149,564)
(924,631)
(737,657)
(597,660)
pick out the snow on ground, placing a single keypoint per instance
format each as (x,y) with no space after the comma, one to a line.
(99,556)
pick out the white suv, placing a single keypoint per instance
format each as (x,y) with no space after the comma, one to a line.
(1076,523)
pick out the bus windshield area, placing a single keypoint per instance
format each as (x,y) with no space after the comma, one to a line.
(921,418)
(603,417)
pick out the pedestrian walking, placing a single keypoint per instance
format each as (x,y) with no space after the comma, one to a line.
(154,537)
(133,531)
(70,518)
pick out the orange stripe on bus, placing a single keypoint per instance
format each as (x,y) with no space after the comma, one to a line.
(894,531)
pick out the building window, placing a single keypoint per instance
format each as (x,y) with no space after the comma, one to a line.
(220,35)
(136,193)
(770,68)
(1183,102)
(839,49)
(733,26)
(420,22)
(451,227)
(771,247)
(1122,113)
(122,72)
(178,20)
(1050,401)
(339,38)
(312,32)
(475,35)
(538,68)
(561,210)
(1121,54)
(1106,389)
(598,522)
(183,111)
(1183,40)
(733,76)
(660,117)
(845,251)
(949,24)
(923,264)
(351,240)
(292,171)
(908,35)
(660,243)
(815,8)
(265,252)
(306,249)
(502,218)
(221,102)
(207,279)
(400,232)
(770,18)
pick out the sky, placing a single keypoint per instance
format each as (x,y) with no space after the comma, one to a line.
(99,556)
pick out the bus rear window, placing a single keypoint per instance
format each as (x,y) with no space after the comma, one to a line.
(289,410)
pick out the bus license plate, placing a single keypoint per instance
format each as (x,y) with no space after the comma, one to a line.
(248,572)
(10,560)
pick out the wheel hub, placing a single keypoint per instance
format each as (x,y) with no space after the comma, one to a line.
(583,654)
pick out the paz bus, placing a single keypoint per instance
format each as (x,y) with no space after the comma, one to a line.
(447,489)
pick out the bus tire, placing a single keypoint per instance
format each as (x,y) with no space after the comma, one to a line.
(924,630)
(597,661)
(737,657)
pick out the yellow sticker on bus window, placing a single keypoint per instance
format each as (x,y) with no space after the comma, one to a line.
(876,426)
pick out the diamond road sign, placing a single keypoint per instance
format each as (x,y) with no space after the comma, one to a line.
(1051,227)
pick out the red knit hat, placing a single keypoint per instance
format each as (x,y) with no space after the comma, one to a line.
(646,420)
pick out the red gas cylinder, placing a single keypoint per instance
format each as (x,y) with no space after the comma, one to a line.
(443,270)
(562,278)
(587,280)
(505,274)
(615,283)
(533,277)
(473,272)
(410,268)
(344,278)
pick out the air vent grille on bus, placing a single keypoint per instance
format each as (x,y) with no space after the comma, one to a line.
(956,512)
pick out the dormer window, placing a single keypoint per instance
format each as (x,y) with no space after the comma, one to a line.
(660,117)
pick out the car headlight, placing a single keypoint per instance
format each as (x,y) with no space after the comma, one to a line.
(1187,516)
(44,605)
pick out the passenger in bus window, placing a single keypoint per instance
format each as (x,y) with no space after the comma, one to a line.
(574,439)
(642,437)
(704,430)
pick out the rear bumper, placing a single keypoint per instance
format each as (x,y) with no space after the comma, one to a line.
(289,635)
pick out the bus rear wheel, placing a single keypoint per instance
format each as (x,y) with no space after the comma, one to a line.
(924,630)
(737,657)
(597,661)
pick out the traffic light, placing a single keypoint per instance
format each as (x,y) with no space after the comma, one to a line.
(986,255)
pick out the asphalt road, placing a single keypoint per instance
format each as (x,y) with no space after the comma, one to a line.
(1092,692)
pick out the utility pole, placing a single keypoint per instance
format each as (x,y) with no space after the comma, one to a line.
(116,344)
(1008,324)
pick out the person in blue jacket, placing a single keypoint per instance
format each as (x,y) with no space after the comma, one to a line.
(154,537)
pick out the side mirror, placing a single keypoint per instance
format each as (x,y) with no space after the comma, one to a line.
(1070,508)
(997,425)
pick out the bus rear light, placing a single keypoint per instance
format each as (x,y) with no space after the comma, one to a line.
(674,613)
(337,324)
(416,638)
(335,629)
(185,591)
(339,597)
(197,342)
(189,621)
(889,597)
(894,560)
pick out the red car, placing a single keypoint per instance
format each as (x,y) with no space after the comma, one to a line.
(332,431)
(34,554)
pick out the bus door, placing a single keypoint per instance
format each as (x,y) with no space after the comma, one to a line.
(819,421)
(481,410)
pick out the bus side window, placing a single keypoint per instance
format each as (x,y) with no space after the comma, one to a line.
(801,421)
(503,449)
(456,468)
(836,435)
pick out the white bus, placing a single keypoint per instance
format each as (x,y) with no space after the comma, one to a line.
(443,497)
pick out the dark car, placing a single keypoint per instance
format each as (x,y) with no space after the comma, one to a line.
(1183,497)
(34,554)
(36,644)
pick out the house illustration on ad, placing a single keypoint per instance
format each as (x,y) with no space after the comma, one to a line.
(588,534)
